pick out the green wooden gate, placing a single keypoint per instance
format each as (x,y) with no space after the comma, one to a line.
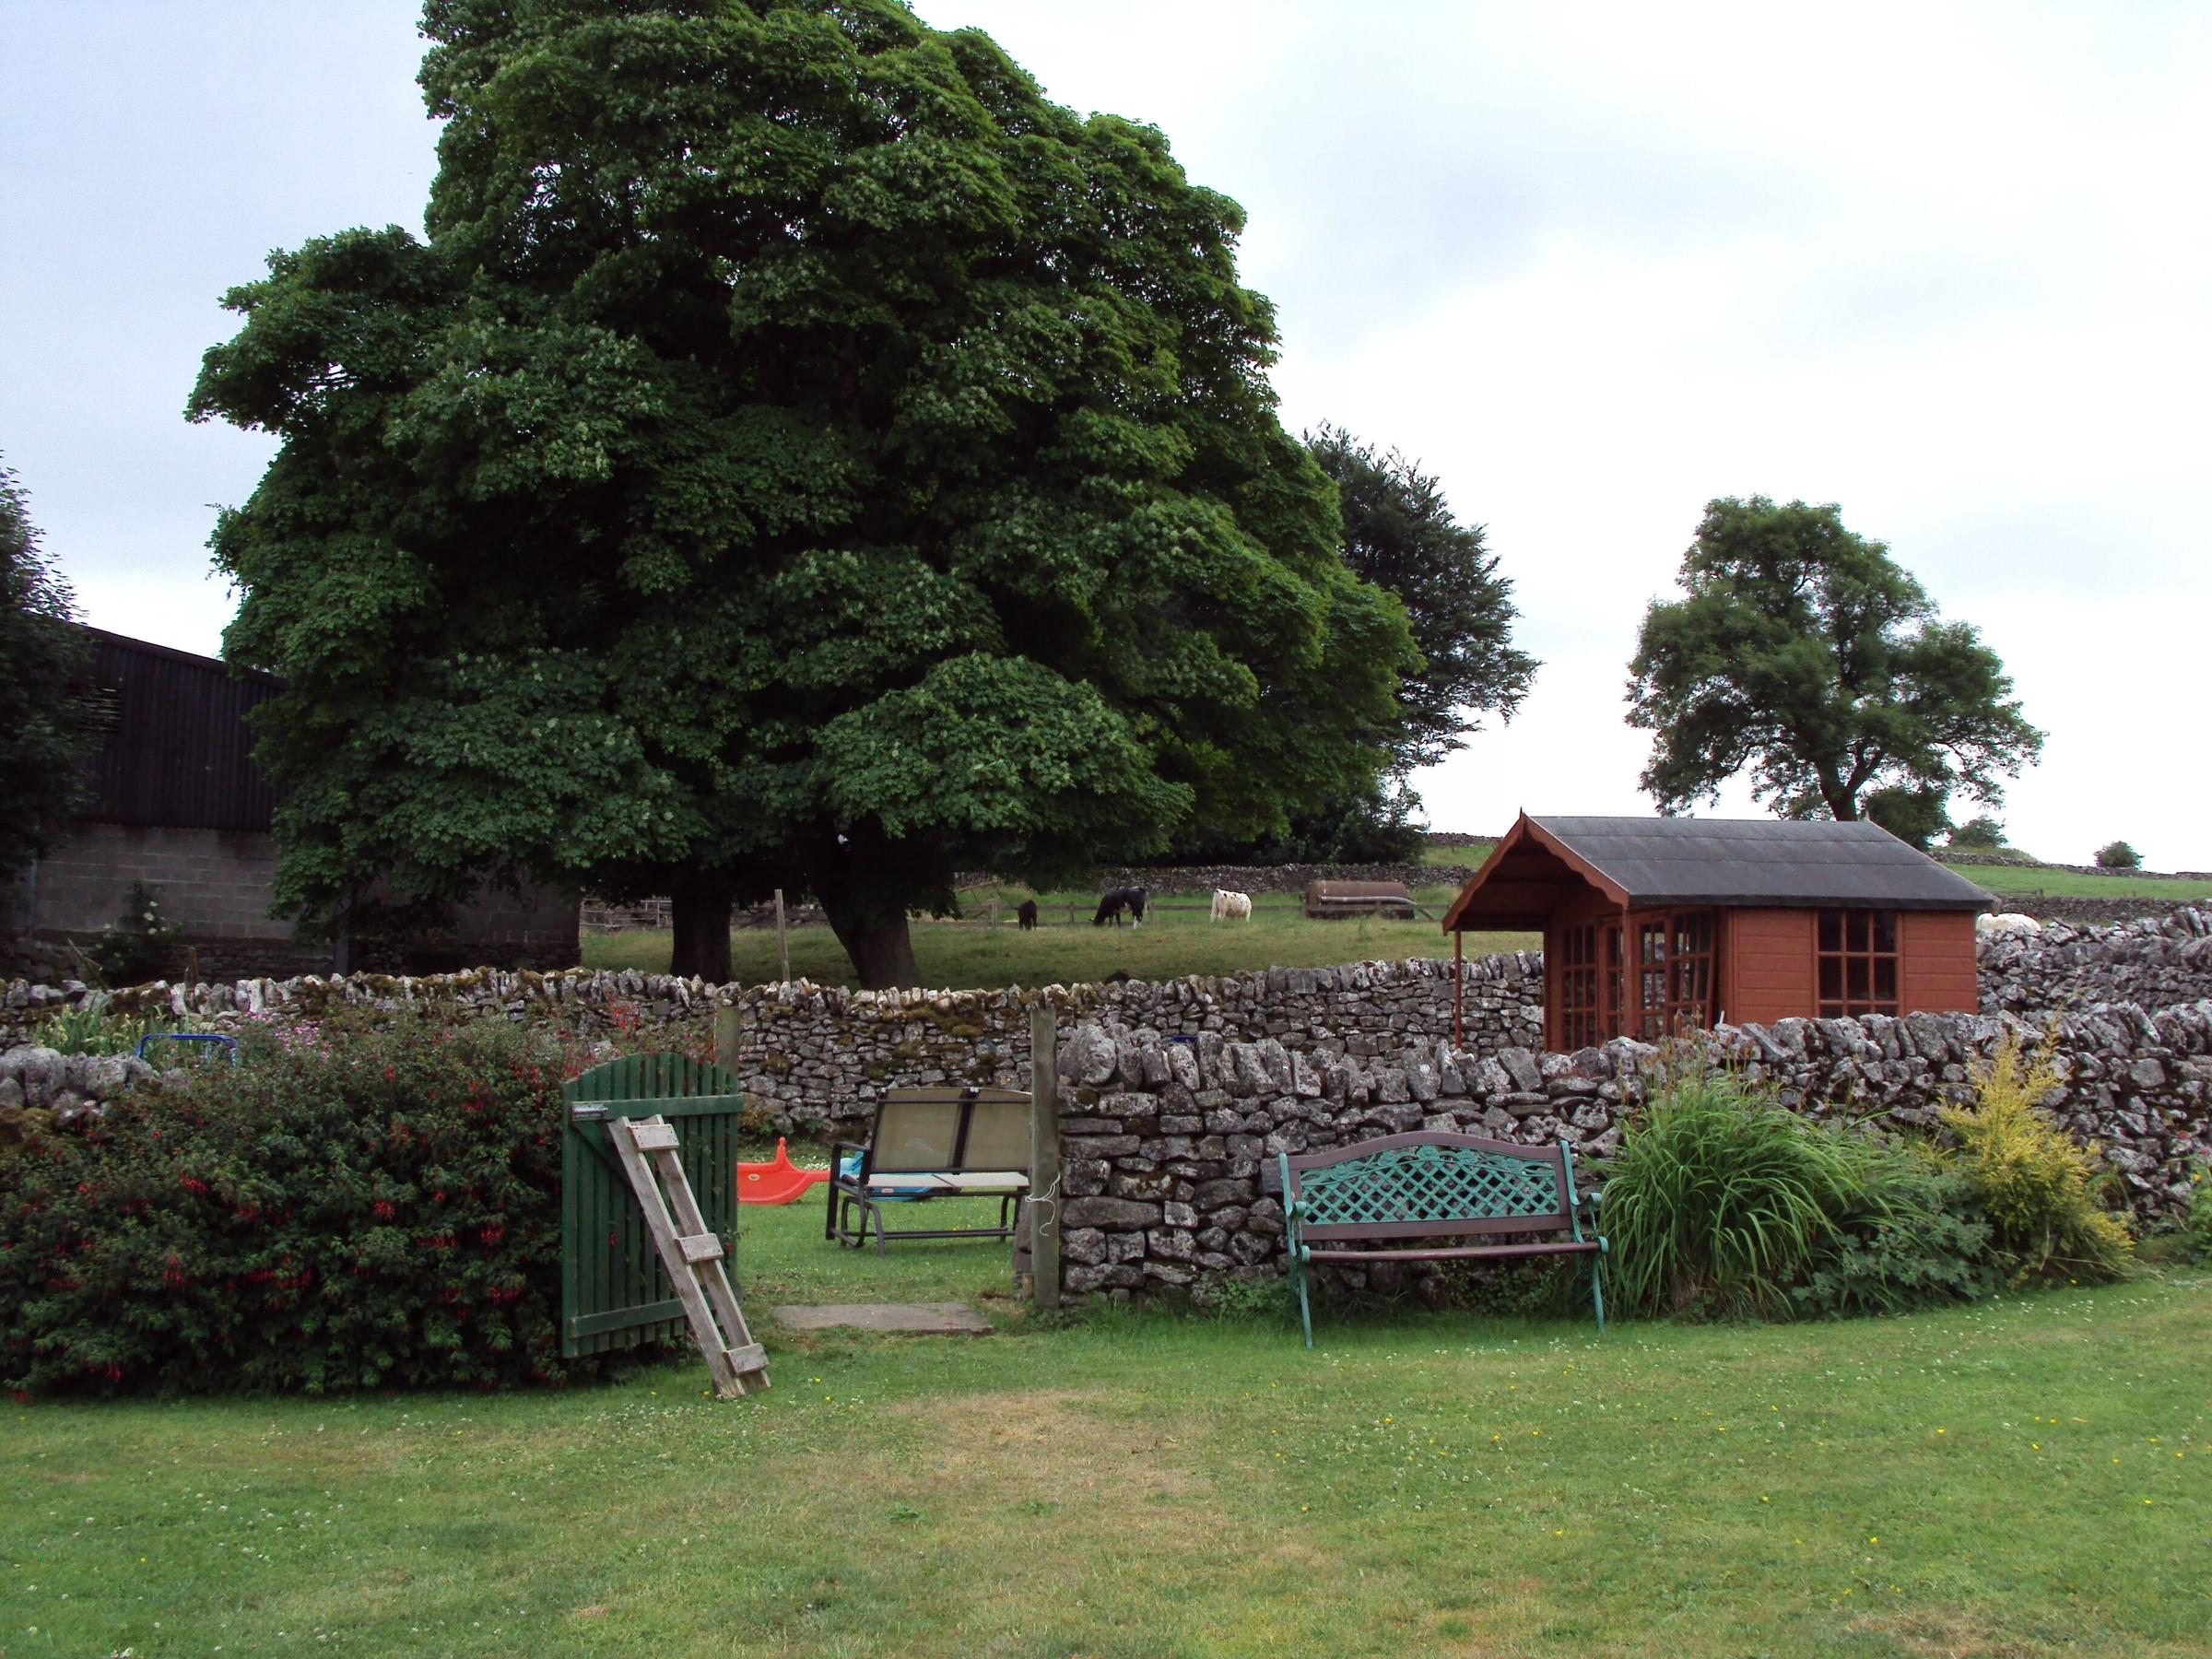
(614,1291)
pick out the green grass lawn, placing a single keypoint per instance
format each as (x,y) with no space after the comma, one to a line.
(1173,941)
(1470,855)
(2075,884)
(2031,1476)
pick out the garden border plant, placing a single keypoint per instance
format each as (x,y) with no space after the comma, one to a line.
(1721,1202)
(350,1208)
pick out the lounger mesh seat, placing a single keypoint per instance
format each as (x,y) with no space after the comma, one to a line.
(932,1143)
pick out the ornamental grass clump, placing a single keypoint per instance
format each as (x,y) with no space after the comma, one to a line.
(2038,1189)
(372,1208)
(1720,1201)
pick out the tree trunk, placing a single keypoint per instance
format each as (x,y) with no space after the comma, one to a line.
(701,915)
(882,952)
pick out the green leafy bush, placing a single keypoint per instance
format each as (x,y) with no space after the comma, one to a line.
(94,1030)
(140,943)
(2118,855)
(2196,1222)
(1719,1202)
(1913,1239)
(2036,1186)
(1723,1202)
(348,1208)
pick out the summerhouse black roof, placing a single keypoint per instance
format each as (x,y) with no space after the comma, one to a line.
(1779,862)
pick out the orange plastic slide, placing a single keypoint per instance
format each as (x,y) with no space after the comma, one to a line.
(777,1181)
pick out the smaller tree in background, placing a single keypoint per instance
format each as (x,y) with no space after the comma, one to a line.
(1979,834)
(49,717)
(1399,535)
(1802,654)
(1912,812)
(2118,855)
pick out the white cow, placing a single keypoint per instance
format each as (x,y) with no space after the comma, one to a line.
(1235,907)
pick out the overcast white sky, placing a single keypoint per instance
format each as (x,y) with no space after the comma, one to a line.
(1948,265)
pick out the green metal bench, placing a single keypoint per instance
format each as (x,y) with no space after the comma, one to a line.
(1399,1189)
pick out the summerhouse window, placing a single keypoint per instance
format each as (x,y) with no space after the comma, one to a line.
(1582,1012)
(1858,962)
(1674,963)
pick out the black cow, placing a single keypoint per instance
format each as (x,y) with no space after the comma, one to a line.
(1115,900)
(1027,913)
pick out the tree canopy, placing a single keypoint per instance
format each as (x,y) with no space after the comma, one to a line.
(798,456)
(1983,833)
(1803,654)
(49,720)
(1400,534)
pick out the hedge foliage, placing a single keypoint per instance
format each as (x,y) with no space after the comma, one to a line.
(345,1209)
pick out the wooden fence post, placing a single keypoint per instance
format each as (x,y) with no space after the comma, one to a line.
(1044,1156)
(725,1037)
(783,942)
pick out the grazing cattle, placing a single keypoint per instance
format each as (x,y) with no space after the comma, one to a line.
(1115,900)
(1235,907)
(1027,913)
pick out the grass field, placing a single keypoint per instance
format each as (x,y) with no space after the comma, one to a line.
(1172,941)
(2029,1477)
(2075,884)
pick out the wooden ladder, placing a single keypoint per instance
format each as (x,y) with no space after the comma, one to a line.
(691,1253)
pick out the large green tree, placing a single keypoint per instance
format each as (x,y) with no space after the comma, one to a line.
(798,454)
(1399,533)
(49,715)
(1803,654)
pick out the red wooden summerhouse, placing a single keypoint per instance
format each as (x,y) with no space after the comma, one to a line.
(1653,927)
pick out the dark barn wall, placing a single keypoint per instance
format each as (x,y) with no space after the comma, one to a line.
(214,883)
(179,806)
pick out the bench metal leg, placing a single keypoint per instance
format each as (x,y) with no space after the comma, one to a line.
(1597,1294)
(1305,1312)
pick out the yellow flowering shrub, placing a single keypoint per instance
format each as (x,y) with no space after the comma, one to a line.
(2036,1187)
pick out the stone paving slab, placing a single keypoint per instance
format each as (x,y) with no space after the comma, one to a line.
(943,1318)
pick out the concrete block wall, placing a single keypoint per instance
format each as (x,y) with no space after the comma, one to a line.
(213,886)
(214,883)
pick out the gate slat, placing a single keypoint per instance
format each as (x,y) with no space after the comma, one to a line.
(619,1295)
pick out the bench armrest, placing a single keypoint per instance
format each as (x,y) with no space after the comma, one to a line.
(836,1159)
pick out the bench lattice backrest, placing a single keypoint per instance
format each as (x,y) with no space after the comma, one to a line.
(1430,1185)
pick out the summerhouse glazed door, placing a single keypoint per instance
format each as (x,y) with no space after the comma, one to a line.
(1615,990)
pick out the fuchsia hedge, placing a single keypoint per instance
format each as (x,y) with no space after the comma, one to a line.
(344,1210)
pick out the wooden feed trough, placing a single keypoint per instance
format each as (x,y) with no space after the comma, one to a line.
(1358,899)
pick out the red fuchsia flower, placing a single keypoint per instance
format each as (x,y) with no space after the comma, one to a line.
(491,1235)
(194,1186)
(383,1209)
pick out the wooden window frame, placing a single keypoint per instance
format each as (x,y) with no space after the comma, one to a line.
(1580,988)
(1678,956)
(1855,953)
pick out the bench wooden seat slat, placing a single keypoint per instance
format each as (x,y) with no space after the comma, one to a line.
(1487,1252)
(1432,1185)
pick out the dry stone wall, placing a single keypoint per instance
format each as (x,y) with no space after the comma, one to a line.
(2152,962)
(817,1056)
(1170,1147)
